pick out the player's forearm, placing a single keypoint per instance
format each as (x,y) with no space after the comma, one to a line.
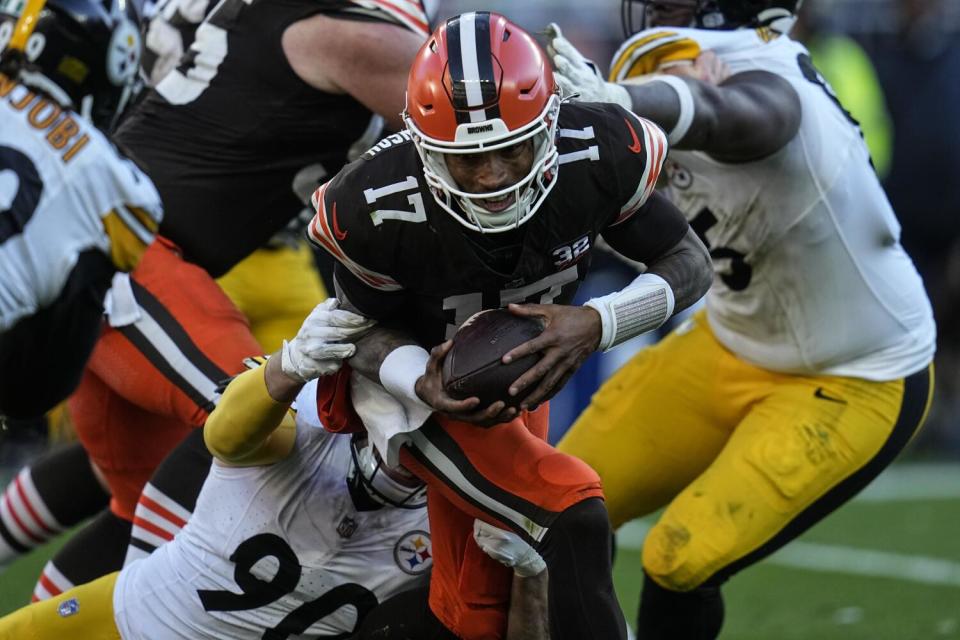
(748,116)
(245,418)
(686,268)
(393,359)
(373,349)
(527,618)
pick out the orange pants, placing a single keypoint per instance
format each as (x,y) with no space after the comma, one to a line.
(149,383)
(506,475)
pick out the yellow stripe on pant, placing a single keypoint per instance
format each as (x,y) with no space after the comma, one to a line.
(82,612)
(744,458)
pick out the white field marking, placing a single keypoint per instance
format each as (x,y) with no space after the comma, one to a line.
(914,482)
(902,482)
(880,564)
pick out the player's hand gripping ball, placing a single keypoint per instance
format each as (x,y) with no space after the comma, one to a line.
(473,366)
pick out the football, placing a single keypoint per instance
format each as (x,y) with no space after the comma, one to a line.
(473,365)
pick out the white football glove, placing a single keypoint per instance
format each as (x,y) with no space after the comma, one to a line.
(576,74)
(322,344)
(508,549)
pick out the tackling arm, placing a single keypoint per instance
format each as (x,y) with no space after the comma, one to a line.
(527,618)
(251,426)
(735,118)
(748,116)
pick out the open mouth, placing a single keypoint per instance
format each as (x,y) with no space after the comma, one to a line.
(498,204)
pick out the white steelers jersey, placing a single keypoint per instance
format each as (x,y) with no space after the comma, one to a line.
(64,189)
(278,547)
(810,274)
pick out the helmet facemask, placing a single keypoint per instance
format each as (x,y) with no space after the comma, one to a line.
(777,15)
(383,485)
(529,192)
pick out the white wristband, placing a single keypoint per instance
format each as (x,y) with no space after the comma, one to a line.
(399,373)
(687,107)
(641,306)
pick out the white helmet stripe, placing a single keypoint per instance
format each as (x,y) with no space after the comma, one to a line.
(471,66)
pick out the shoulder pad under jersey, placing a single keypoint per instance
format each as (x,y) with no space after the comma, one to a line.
(409,13)
(630,150)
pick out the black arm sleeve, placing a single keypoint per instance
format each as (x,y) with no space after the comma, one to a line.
(367,301)
(657,227)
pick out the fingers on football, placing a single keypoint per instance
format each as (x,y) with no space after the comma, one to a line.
(437,354)
(545,389)
(534,373)
(533,345)
(492,414)
(553,371)
(454,407)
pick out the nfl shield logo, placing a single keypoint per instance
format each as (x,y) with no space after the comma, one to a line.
(347,527)
(68,608)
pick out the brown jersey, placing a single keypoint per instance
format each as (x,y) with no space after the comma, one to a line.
(403,260)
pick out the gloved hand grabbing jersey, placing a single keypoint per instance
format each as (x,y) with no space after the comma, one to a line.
(508,549)
(576,74)
(323,342)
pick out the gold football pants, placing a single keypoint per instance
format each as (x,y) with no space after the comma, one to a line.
(276,288)
(745,459)
(82,612)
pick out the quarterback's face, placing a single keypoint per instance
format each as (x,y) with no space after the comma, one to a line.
(492,171)
(670,13)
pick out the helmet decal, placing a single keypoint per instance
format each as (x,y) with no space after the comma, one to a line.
(123,53)
(472,86)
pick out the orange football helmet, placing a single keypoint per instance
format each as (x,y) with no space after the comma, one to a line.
(478,84)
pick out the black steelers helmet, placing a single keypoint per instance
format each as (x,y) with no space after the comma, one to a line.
(714,14)
(83,53)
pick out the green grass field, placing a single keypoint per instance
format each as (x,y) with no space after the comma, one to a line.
(886,567)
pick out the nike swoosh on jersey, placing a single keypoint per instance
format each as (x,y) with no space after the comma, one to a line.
(340,235)
(321,233)
(636,147)
(820,394)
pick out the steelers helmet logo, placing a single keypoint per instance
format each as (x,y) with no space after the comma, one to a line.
(123,54)
(413,553)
